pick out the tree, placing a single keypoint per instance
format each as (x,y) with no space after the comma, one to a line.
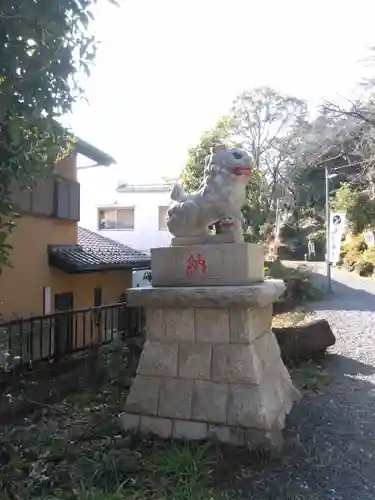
(192,173)
(329,140)
(43,46)
(264,122)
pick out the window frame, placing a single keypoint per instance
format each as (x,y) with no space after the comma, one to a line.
(159,227)
(116,209)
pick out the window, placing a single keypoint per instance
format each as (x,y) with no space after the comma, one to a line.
(49,197)
(163,218)
(97,296)
(67,194)
(116,218)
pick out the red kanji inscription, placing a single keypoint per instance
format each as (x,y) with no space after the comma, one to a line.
(196,265)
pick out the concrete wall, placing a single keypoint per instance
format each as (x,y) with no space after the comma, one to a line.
(146,233)
(139,281)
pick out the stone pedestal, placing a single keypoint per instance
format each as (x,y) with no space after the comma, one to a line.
(211,366)
(223,264)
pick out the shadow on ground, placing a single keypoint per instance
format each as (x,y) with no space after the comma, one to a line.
(329,445)
(358,296)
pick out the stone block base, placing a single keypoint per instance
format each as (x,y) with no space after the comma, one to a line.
(190,430)
(229,264)
(212,372)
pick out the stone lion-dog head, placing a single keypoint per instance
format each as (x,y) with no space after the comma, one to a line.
(232,164)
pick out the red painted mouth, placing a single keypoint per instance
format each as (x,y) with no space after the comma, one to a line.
(226,223)
(240,170)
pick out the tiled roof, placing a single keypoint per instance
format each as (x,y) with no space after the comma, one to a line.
(95,252)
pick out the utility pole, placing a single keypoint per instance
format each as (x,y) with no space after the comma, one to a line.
(328,250)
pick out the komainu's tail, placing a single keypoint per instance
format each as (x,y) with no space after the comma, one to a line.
(177,193)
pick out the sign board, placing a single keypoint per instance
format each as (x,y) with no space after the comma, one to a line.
(336,230)
(370,238)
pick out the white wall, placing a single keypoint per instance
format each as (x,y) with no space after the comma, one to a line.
(139,281)
(146,233)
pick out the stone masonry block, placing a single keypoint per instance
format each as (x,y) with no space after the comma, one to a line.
(159,358)
(267,349)
(194,360)
(284,374)
(189,430)
(253,296)
(143,396)
(129,422)
(220,264)
(247,324)
(175,398)
(155,323)
(283,384)
(256,406)
(246,408)
(212,324)
(209,402)
(236,363)
(162,427)
(179,323)
(227,434)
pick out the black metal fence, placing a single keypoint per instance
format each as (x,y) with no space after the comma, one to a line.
(49,338)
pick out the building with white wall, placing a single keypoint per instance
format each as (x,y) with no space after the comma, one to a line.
(134,215)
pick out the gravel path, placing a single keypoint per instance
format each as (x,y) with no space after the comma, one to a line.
(330,438)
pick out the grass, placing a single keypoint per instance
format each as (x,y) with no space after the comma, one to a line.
(76,450)
(309,376)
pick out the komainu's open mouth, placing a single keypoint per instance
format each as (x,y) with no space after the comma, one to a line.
(241,170)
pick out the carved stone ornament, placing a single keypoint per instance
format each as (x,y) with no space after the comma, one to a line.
(218,201)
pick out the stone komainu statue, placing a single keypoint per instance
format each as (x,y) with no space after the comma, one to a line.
(218,200)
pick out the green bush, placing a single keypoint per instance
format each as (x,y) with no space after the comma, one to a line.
(356,245)
(369,255)
(299,283)
(357,205)
(350,260)
(353,254)
(364,268)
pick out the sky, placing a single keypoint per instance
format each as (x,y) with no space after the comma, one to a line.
(166,70)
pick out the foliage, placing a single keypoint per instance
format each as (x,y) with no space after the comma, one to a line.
(359,209)
(299,282)
(369,255)
(364,267)
(290,153)
(354,243)
(264,122)
(319,238)
(43,46)
(192,174)
(355,255)
(75,449)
